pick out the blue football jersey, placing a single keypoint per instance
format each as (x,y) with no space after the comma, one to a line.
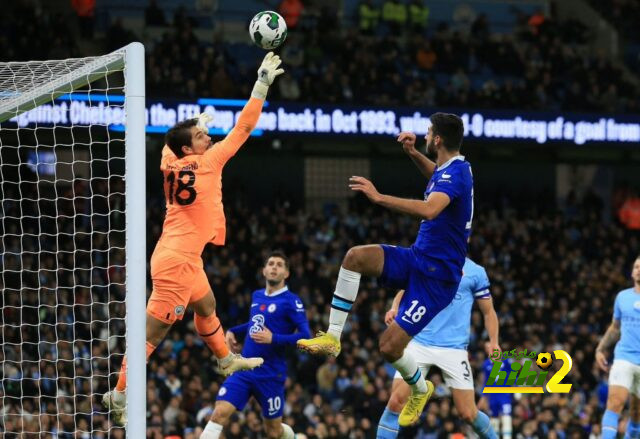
(443,240)
(451,327)
(283,313)
(626,309)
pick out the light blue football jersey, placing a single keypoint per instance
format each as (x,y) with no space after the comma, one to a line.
(626,309)
(452,326)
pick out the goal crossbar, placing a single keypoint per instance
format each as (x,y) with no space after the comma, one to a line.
(14,102)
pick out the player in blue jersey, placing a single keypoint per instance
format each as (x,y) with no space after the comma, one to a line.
(443,343)
(500,404)
(429,271)
(624,377)
(277,319)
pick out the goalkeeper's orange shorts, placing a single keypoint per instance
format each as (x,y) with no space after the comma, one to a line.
(178,280)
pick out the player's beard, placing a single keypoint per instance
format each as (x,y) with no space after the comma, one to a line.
(431,149)
(273,282)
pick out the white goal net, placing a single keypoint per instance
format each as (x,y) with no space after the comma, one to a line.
(72,244)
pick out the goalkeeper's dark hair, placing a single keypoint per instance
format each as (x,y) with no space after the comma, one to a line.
(450,129)
(180,135)
(278,254)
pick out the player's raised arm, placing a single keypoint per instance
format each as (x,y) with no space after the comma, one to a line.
(426,166)
(226,148)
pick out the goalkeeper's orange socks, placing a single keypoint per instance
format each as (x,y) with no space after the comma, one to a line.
(210,330)
(121,386)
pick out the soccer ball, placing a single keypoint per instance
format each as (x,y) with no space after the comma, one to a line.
(544,360)
(268,29)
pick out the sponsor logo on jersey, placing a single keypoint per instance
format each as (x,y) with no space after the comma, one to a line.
(258,324)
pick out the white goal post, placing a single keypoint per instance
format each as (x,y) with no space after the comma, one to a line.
(73,243)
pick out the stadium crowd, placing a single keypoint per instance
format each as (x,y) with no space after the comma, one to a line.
(543,64)
(554,274)
(622,14)
(553,281)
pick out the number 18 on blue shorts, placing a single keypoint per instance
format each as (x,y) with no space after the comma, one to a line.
(424,297)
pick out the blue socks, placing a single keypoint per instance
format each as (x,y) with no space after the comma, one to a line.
(633,430)
(610,424)
(482,426)
(388,425)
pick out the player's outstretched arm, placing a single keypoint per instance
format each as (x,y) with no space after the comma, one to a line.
(491,323)
(267,73)
(429,209)
(609,339)
(426,166)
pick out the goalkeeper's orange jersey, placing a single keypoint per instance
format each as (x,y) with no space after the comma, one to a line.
(193,189)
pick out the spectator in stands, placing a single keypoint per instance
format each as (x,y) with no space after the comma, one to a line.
(85,10)
(536,21)
(629,213)
(418,16)
(118,36)
(153,15)
(291,10)
(394,15)
(426,57)
(480,30)
(368,17)
(288,88)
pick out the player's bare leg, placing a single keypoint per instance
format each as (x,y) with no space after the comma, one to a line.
(367,260)
(210,330)
(393,342)
(615,404)
(116,400)
(276,429)
(465,403)
(222,411)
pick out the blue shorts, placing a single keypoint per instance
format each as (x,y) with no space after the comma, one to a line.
(424,297)
(269,392)
(500,404)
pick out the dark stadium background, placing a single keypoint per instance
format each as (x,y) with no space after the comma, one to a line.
(547,222)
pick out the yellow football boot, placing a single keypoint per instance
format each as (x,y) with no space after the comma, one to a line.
(322,344)
(412,410)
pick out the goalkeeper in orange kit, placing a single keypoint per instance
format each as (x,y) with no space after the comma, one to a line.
(192,168)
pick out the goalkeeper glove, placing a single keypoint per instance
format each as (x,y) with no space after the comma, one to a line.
(203,120)
(266,75)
